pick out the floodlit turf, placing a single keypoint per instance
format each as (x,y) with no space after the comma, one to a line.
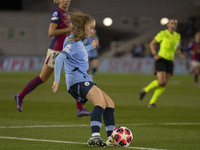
(174,125)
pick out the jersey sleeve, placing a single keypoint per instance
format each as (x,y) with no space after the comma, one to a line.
(88,44)
(179,39)
(65,42)
(58,66)
(67,50)
(159,36)
(89,47)
(56,16)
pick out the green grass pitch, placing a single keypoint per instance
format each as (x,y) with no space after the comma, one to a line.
(49,121)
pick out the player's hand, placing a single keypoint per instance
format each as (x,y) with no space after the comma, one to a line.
(182,56)
(68,29)
(95,43)
(55,86)
(192,53)
(71,26)
(156,57)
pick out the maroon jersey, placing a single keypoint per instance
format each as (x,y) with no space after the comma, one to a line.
(195,48)
(60,17)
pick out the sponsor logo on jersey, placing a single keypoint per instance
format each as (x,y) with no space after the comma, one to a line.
(67,48)
(54,18)
(55,14)
(176,45)
(86,58)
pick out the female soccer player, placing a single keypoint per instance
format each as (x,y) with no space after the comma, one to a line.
(195,56)
(59,28)
(169,44)
(79,83)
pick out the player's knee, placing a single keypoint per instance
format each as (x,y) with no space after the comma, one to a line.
(103,105)
(44,78)
(111,104)
(162,83)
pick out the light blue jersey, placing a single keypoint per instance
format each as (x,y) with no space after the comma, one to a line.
(75,58)
(92,53)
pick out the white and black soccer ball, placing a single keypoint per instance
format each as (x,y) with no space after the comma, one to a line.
(121,137)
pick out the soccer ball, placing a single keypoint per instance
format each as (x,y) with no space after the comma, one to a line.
(121,136)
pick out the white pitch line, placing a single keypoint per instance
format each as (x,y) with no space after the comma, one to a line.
(46,126)
(67,142)
(87,125)
(41,140)
(163,124)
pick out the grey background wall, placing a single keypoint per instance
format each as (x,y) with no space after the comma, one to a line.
(25,31)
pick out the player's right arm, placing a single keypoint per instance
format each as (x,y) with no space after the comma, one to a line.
(55,86)
(157,39)
(53,26)
(153,49)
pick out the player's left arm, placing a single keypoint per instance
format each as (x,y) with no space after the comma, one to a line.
(178,52)
(95,44)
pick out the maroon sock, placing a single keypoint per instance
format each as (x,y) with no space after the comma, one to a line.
(30,86)
(79,105)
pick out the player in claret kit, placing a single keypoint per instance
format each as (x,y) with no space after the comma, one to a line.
(59,28)
(79,83)
(194,50)
(169,44)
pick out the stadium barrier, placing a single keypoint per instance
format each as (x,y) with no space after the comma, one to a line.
(137,65)
(107,65)
(21,63)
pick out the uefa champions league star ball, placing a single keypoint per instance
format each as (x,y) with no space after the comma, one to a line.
(121,137)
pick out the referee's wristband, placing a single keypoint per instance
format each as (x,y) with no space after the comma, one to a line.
(154,55)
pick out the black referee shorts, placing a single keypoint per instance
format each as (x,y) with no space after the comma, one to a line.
(164,66)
